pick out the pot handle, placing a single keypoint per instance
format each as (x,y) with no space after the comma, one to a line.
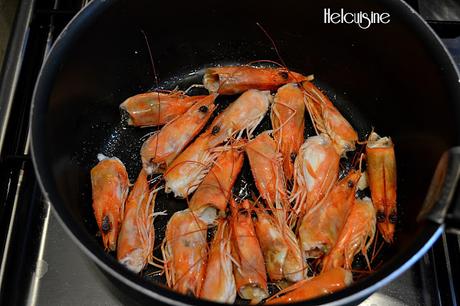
(442,203)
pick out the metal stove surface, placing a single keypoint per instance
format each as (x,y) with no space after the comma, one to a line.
(67,276)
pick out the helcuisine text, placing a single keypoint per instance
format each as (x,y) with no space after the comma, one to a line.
(363,19)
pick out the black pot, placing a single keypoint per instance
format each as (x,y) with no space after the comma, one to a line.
(397,77)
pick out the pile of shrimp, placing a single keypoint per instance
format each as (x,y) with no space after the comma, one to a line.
(303,224)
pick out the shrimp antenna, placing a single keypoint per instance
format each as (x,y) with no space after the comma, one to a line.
(273,44)
(155,74)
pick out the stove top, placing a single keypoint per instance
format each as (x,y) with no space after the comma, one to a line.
(41,265)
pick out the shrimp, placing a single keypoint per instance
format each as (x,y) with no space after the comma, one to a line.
(185,252)
(283,258)
(287,116)
(187,171)
(327,119)
(356,236)
(110,184)
(137,234)
(219,282)
(249,267)
(242,115)
(322,284)
(381,165)
(267,170)
(272,243)
(232,80)
(278,239)
(321,226)
(315,172)
(213,193)
(160,149)
(157,108)
(293,268)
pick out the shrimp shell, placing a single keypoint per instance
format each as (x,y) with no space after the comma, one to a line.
(188,170)
(244,114)
(381,165)
(321,226)
(327,119)
(315,172)
(267,170)
(219,282)
(232,80)
(160,149)
(110,183)
(283,258)
(322,284)
(137,234)
(185,252)
(294,267)
(157,108)
(272,244)
(356,236)
(249,266)
(287,117)
(191,166)
(215,190)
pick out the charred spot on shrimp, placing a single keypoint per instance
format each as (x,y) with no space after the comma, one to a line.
(393,218)
(106,225)
(203,109)
(293,156)
(380,216)
(350,184)
(284,75)
(215,129)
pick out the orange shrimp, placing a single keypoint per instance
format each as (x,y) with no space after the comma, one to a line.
(137,234)
(287,116)
(316,170)
(283,258)
(160,149)
(294,269)
(187,171)
(232,80)
(157,108)
(249,267)
(327,119)
(267,170)
(381,165)
(325,283)
(278,239)
(185,252)
(356,236)
(214,192)
(242,115)
(272,243)
(219,282)
(110,184)
(321,226)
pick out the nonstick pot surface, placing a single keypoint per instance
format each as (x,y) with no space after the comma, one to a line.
(394,77)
